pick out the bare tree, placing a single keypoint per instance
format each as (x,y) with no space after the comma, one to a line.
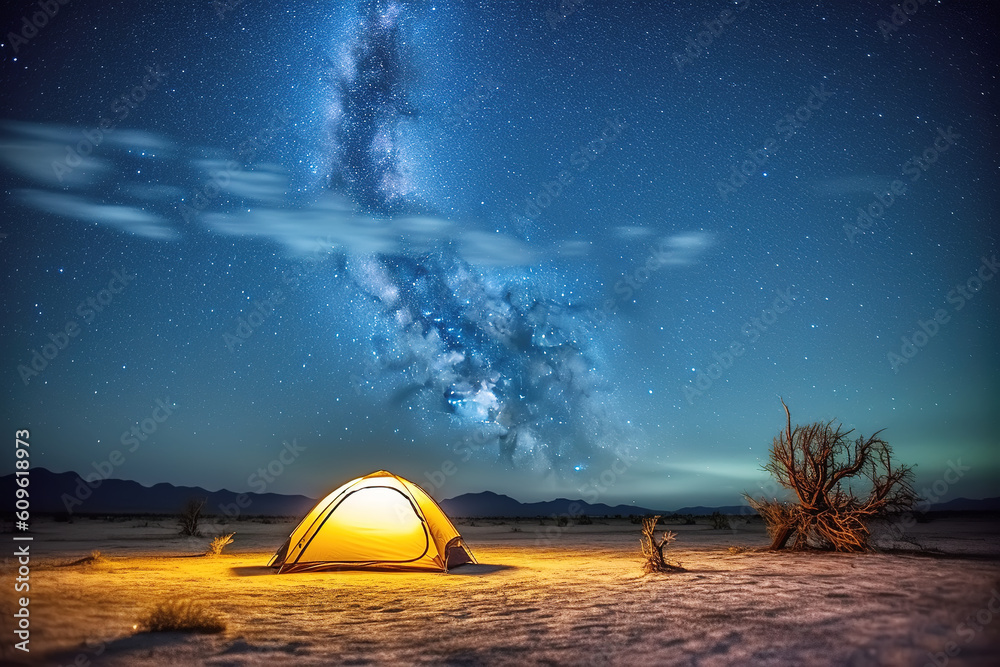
(656,560)
(819,463)
(190,517)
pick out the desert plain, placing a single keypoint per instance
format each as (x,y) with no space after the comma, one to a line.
(540,595)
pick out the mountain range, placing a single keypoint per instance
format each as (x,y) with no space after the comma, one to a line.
(65,492)
(62,493)
(487,503)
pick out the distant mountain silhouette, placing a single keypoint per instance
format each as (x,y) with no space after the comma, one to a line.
(54,493)
(487,503)
(59,492)
(967,505)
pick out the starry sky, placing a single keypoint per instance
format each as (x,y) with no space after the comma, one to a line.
(542,248)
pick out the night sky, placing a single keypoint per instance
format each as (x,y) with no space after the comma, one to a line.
(523,247)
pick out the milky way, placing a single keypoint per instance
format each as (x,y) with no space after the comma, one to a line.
(515,366)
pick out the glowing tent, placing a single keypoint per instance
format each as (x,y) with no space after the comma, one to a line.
(379,521)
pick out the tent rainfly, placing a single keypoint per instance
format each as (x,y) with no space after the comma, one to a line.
(379,521)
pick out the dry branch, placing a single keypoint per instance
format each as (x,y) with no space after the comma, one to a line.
(652,549)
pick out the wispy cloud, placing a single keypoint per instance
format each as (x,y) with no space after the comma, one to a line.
(348,231)
(125,218)
(107,188)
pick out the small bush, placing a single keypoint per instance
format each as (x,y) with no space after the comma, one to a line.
(720,521)
(218,543)
(584,520)
(734,550)
(562,522)
(182,616)
(653,550)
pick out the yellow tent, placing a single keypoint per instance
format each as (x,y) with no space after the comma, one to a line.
(379,521)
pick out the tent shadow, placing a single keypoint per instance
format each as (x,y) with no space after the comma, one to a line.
(479,569)
(252,570)
(467,570)
(139,643)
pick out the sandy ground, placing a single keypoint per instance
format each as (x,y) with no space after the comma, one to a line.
(541,595)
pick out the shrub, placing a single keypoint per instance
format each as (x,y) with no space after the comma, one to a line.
(652,550)
(182,616)
(584,520)
(720,521)
(218,543)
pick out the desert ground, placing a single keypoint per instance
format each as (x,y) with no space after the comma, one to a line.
(541,595)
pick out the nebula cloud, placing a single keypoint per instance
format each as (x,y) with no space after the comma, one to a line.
(488,347)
